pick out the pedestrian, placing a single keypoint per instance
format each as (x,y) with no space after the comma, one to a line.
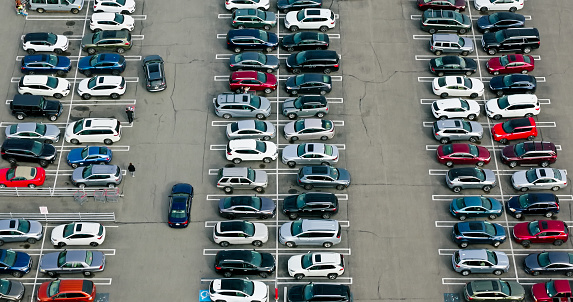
(246,89)
(131,169)
(129,110)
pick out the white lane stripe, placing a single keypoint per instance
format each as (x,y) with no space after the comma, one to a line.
(73,18)
(489,147)
(211,224)
(481,102)
(330,36)
(505,197)
(281,122)
(73,80)
(216,197)
(481,58)
(483,79)
(442,172)
(281,147)
(76,58)
(520,252)
(464,280)
(418,17)
(428,36)
(538,124)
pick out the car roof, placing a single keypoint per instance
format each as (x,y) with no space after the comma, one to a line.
(550,225)
(329,289)
(109,80)
(236,33)
(108,57)
(320,197)
(323,12)
(445,37)
(321,258)
(312,123)
(316,77)
(249,74)
(100,122)
(226,98)
(541,197)
(520,122)
(25,127)
(230,172)
(319,224)
(104,169)
(559,257)
(35,79)
(538,146)
(461,172)
(75,285)
(232,226)
(87,227)
(37,58)
(75,255)
(235,255)
(243,144)
(5,224)
(106,34)
(471,226)
(41,36)
(15,143)
(522,98)
(312,99)
(449,103)
(509,16)
(478,254)
(443,124)
(103,16)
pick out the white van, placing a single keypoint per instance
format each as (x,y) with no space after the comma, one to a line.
(73,6)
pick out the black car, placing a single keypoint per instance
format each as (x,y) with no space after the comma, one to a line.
(315,204)
(319,292)
(35,105)
(288,5)
(309,83)
(513,84)
(14,150)
(549,262)
(501,20)
(512,39)
(305,40)
(315,60)
(246,206)
(244,262)
(452,65)
(154,74)
(546,204)
(180,201)
(254,61)
(251,39)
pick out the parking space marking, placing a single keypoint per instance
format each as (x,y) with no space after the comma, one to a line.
(523,252)
(213,252)
(481,102)
(439,172)
(280,146)
(506,224)
(418,17)
(341,197)
(74,80)
(428,36)
(225,78)
(280,122)
(76,58)
(450,197)
(274,224)
(464,280)
(107,252)
(71,18)
(481,58)
(489,147)
(330,36)
(538,124)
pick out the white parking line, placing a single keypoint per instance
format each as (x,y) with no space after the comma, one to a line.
(418,17)
(483,79)
(440,172)
(481,58)
(481,102)
(280,122)
(213,252)
(520,252)
(464,280)
(280,146)
(489,147)
(428,36)
(76,58)
(71,18)
(73,80)
(216,197)
(538,124)
(273,223)
(505,197)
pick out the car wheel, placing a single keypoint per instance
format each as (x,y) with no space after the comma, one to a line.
(322,92)
(292,216)
(472,117)
(473,95)
(43,163)
(270,70)
(496,72)
(463,245)
(340,187)
(2,186)
(465,53)
(20,116)
(491,51)
(291,164)
(30,72)
(290,49)
(525,189)
(457,189)
(227,274)
(257,243)
(512,164)
(111,186)
(17,274)
(544,164)
(115,72)
(268,90)
(496,243)
(226,116)
(86,96)
(87,73)
(228,189)
(530,138)
(498,272)
(558,242)
(75,11)
(480,163)
(483,9)
(87,273)
(465,273)
(267,27)
(293,28)
(462,31)
(91,51)
(469,73)
(569,274)
(528,115)
(323,29)
(224,243)
(486,188)
(60,73)
(74,165)
(332,276)
(444,140)
(286,10)
(75,141)
(40,10)
(308,187)
(524,71)
(107,141)
(31,51)
(264,274)
(443,117)
(298,276)
(327,71)
(120,50)
(259,189)
(237,160)
(291,116)
(497,117)
(61,244)
(294,92)
(31,240)
(58,51)
(52,274)
(31,186)
(535,273)
(444,95)
(438,52)
(440,74)
(320,114)
(241,27)
(518,215)
(58,95)
(504,141)
(267,160)
(94,244)
(474,139)
(114,96)
(12,161)
(237,49)
(325,215)
(323,138)
(230,216)
(555,188)
(294,138)
(264,217)
(462,217)
(290,244)
(432,30)
(513,9)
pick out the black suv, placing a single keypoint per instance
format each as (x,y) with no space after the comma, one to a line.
(320,292)
(310,204)
(314,60)
(249,39)
(244,262)
(546,204)
(512,39)
(35,105)
(14,150)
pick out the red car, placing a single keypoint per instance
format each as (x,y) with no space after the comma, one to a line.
(67,290)
(22,177)
(517,128)
(510,64)
(541,231)
(460,154)
(552,291)
(254,80)
(529,153)
(458,5)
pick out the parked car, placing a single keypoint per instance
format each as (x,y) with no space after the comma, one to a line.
(23,106)
(21,176)
(494,290)
(97,175)
(480,261)
(94,130)
(309,154)
(305,40)
(112,86)
(44,42)
(46,133)
(253,18)
(180,201)
(51,64)
(513,84)
(319,292)
(256,4)
(44,86)
(514,63)
(472,232)
(323,177)
(322,19)
(59,291)
(551,290)
(111,21)
(251,129)
(251,39)
(446,131)
(253,80)
(238,290)
(310,128)
(319,204)
(11,290)
(306,105)
(290,5)
(15,150)
(309,83)
(476,206)
(549,262)
(462,154)
(325,61)
(517,128)
(72,261)
(511,5)
(546,204)
(451,43)
(41,6)
(452,65)
(228,105)
(541,231)
(247,206)
(229,179)
(515,105)
(254,61)
(102,63)
(114,6)
(240,232)
(527,153)
(330,265)
(15,263)
(433,21)
(89,155)
(321,232)
(511,39)
(539,179)
(20,230)
(501,20)
(457,86)
(154,74)
(470,178)
(249,149)
(78,233)
(456,108)
(107,40)
(457,5)
(244,262)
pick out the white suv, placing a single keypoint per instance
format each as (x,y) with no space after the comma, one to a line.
(455,108)
(44,41)
(114,6)
(255,4)
(44,85)
(329,265)
(251,149)
(240,232)
(94,130)
(112,86)
(515,105)
(111,21)
(310,18)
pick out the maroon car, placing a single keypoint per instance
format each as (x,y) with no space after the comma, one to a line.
(514,63)
(541,231)
(529,153)
(253,80)
(458,5)
(552,291)
(465,154)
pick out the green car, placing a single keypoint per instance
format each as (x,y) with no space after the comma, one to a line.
(253,18)
(494,290)
(107,40)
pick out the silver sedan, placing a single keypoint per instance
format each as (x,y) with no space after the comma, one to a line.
(251,129)
(311,128)
(41,132)
(310,154)
(539,179)
(72,261)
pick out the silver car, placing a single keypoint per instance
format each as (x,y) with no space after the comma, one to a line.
(470,178)
(310,128)
(325,232)
(480,261)
(310,154)
(18,230)
(306,105)
(229,179)
(251,129)
(228,105)
(97,175)
(539,179)
(457,130)
(72,261)
(41,132)
(11,290)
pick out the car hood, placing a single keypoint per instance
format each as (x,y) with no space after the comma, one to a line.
(508,152)
(285,230)
(289,202)
(489,176)
(267,205)
(489,39)
(477,128)
(477,85)
(295,263)
(98,259)
(290,17)
(58,231)
(494,63)
(268,261)
(289,128)
(290,152)
(288,39)
(519,178)
(83,85)
(282,4)
(270,17)
(62,42)
(265,103)
(16,289)
(261,231)
(344,175)
(87,39)
(516,289)
(295,294)
(288,104)
(52,105)
(492,105)
(502,259)
(48,151)
(521,230)
(22,262)
(84,63)
(498,129)
(64,62)
(52,131)
(496,82)
(75,154)
(530,262)
(539,292)
(273,61)
(290,82)
(49,261)
(291,60)
(35,228)
(483,22)
(76,176)
(260,177)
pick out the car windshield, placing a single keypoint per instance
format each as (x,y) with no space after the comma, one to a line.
(53,60)
(248,228)
(298,125)
(459,18)
(299,80)
(52,38)
(533,227)
(261,77)
(96,36)
(264,35)
(503,60)
(261,14)
(486,203)
(78,126)
(53,288)
(40,128)
(461,42)
(261,126)
(248,287)
(87,172)
(505,288)
(439,62)
(328,149)
(519,149)
(37,148)
(300,150)
(251,174)
(503,102)
(52,82)
(550,287)
(84,153)
(301,57)
(468,83)
(467,126)
(262,147)
(300,201)
(89,257)
(119,18)
(62,258)
(326,124)
(474,150)
(4,286)
(306,260)
(298,103)
(499,36)
(557,174)
(523,201)
(531,175)
(464,104)
(9,258)
(527,59)
(442,81)
(334,173)
(543,259)
(507,127)
(490,229)
(308,292)
(122,2)
(491,257)
(300,15)
(92,82)
(68,230)
(507,81)
(296,227)
(297,38)
(10,174)
(23,225)
(256,258)
(255,101)
(448,149)
(94,60)
(262,58)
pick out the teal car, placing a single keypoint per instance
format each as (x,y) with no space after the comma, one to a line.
(253,18)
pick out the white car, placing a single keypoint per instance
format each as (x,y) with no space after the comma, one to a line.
(78,233)
(310,18)
(329,265)
(455,108)
(238,290)
(457,86)
(256,4)
(111,21)
(94,130)
(239,150)
(510,5)
(240,232)
(114,6)
(44,85)
(112,86)
(44,41)
(515,105)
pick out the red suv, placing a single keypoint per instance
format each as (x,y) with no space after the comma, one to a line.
(254,80)
(541,231)
(552,291)
(518,128)
(529,153)
(468,154)
(67,290)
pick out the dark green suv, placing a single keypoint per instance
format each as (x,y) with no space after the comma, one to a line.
(107,40)
(253,18)
(437,20)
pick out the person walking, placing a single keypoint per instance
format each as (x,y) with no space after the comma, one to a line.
(129,110)
(131,169)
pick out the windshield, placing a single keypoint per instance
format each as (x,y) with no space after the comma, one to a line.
(473,150)
(523,201)
(491,257)
(52,82)
(301,57)
(264,35)
(531,175)
(261,77)
(122,2)
(85,152)
(262,147)
(62,258)
(52,38)
(550,287)
(442,81)
(490,229)
(467,126)
(557,174)
(89,257)
(533,227)
(262,58)
(9,258)
(507,81)
(255,101)
(78,126)
(507,127)
(505,288)
(300,150)
(493,18)
(503,60)
(87,172)
(468,82)
(68,230)
(261,126)
(328,149)
(296,227)
(486,203)
(326,124)
(256,258)
(464,104)
(300,15)
(307,293)
(40,128)
(23,225)
(461,42)
(10,174)
(299,79)
(448,149)
(334,173)
(94,60)
(503,102)
(499,36)
(249,228)
(53,60)
(300,201)
(53,288)
(543,259)
(119,18)
(306,260)
(251,174)
(4,286)
(92,82)
(37,148)
(298,125)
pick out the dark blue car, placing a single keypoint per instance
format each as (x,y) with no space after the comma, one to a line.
(513,84)
(546,204)
(472,232)
(89,155)
(476,206)
(50,64)
(180,205)
(15,263)
(251,39)
(102,63)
